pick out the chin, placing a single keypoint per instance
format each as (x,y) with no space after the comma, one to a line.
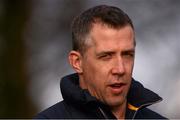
(116,101)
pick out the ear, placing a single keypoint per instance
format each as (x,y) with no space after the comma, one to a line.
(75,60)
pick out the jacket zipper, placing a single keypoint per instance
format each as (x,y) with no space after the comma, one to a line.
(147,104)
(103,113)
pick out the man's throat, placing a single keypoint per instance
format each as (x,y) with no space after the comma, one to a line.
(119,111)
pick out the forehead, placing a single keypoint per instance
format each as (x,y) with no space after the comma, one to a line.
(105,37)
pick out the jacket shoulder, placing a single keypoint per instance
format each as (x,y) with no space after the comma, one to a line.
(146,113)
(56,111)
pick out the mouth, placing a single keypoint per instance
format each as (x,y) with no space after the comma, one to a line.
(117,88)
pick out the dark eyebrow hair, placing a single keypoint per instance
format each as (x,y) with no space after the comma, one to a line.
(129,50)
(105,53)
(110,52)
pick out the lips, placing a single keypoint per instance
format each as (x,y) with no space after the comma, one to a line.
(117,88)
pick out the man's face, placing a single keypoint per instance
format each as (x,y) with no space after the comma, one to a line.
(107,64)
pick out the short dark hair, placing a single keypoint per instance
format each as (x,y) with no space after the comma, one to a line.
(108,15)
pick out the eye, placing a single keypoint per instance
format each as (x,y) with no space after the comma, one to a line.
(105,56)
(129,54)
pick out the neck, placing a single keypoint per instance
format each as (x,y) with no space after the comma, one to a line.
(82,83)
(119,111)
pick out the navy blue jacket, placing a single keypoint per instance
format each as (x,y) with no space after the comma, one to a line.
(79,104)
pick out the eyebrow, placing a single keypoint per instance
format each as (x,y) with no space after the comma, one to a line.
(128,51)
(110,52)
(105,53)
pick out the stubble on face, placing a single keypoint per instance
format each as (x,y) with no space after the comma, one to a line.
(102,74)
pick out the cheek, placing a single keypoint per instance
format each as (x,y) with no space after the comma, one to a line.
(95,71)
(95,75)
(129,67)
(95,67)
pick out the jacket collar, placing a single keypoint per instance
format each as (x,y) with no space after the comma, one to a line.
(138,96)
(72,92)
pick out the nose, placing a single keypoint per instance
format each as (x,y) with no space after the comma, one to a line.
(118,67)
